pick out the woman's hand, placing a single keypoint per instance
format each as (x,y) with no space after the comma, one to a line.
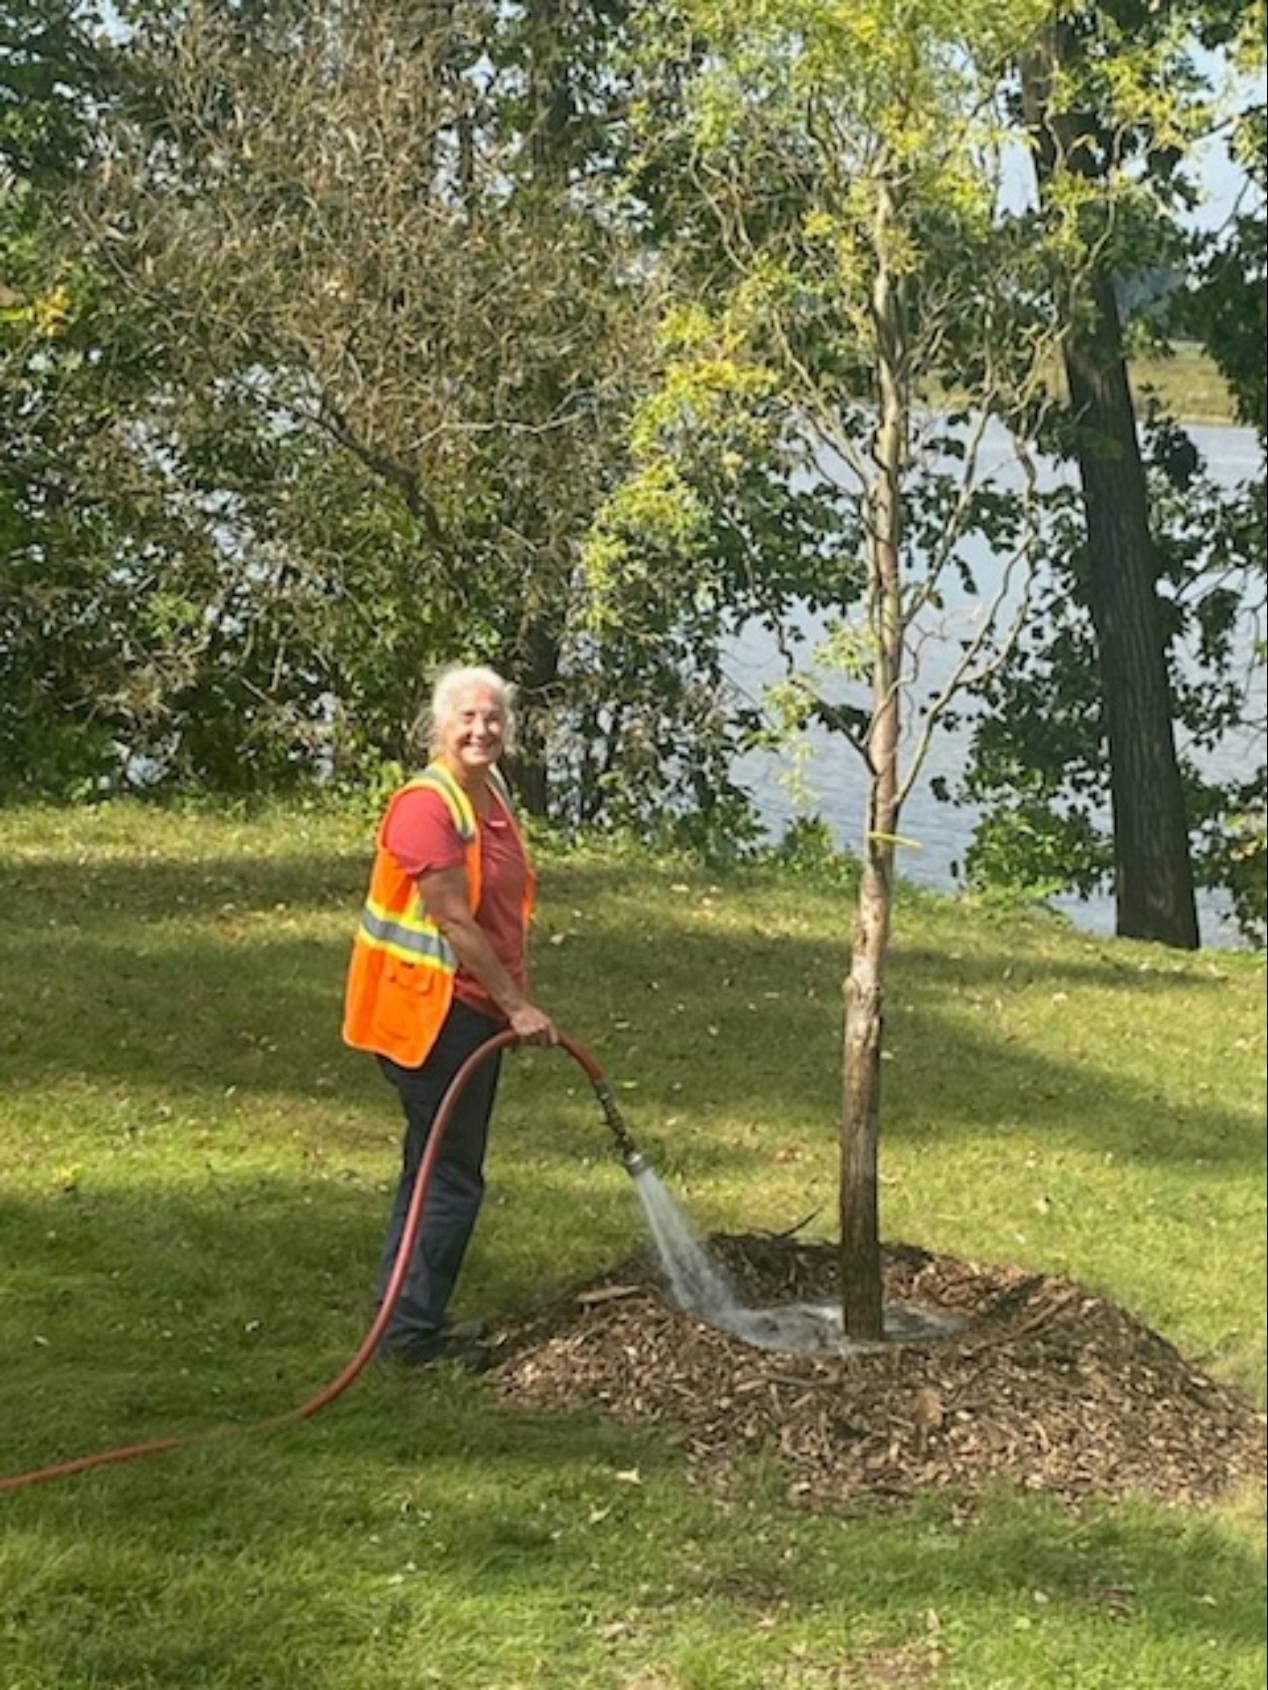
(532,1026)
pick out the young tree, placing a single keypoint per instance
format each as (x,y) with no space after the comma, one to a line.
(831,176)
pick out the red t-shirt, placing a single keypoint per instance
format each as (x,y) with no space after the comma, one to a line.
(422,837)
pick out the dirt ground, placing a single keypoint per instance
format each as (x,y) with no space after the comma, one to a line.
(1043,1385)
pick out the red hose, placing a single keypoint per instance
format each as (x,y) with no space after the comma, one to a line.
(336,1387)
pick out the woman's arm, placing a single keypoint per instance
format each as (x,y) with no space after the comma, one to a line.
(446,899)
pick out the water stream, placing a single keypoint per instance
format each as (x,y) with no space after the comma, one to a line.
(696,1283)
(699,1286)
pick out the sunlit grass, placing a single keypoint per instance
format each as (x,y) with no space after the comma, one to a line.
(1186,383)
(196,1175)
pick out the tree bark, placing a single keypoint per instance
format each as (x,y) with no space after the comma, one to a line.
(539,638)
(537,670)
(861,1293)
(862,1310)
(1153,875)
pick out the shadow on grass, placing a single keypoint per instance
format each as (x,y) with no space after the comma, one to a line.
(416,1511)
(151,976)
(150,1310)
(278,1557)
(416,1506)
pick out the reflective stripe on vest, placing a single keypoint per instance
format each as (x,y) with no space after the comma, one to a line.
(411,937)
(437,776)
(408,933)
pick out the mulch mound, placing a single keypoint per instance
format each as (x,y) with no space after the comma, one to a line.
(1044,1385)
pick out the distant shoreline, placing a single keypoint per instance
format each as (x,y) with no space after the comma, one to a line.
(1188,383)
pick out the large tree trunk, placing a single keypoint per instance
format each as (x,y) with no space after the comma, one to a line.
(1153,875)
(861,1299)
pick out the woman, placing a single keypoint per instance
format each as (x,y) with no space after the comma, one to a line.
(438,967)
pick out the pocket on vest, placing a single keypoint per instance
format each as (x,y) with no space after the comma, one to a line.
(407,990)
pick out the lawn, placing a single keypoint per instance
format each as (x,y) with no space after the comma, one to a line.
(196,1175)
(1185,381)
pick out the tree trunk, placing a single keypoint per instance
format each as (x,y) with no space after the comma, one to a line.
(1153,875)
(862,1310)
(540,634)
(861,1295)
(537,670)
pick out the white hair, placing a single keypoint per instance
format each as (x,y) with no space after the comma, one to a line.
(450,685)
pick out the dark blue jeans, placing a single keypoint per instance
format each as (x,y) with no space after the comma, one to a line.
(457,1181)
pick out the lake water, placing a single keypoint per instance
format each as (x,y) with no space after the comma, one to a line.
(835,774)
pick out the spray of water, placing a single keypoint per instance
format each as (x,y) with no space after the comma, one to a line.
(699,1286)
(696,1283)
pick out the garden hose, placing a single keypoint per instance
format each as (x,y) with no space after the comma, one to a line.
(626,1149)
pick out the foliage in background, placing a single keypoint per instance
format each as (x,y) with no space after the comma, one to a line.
(1038,766)
(328,338)
(155,626)
(389,322)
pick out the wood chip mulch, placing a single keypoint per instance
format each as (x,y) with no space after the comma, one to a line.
(1045,1385)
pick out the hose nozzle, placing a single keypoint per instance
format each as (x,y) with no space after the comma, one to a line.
(626,1148)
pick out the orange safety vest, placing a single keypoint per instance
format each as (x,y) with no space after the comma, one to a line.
(401,977)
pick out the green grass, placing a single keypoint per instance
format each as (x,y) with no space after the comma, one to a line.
(195,1181)
(1188,383)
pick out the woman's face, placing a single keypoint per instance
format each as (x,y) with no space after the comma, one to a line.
(474,732)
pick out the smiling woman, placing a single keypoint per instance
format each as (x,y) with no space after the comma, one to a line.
(438,966)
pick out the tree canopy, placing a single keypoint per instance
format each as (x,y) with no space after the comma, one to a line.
(341,341)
